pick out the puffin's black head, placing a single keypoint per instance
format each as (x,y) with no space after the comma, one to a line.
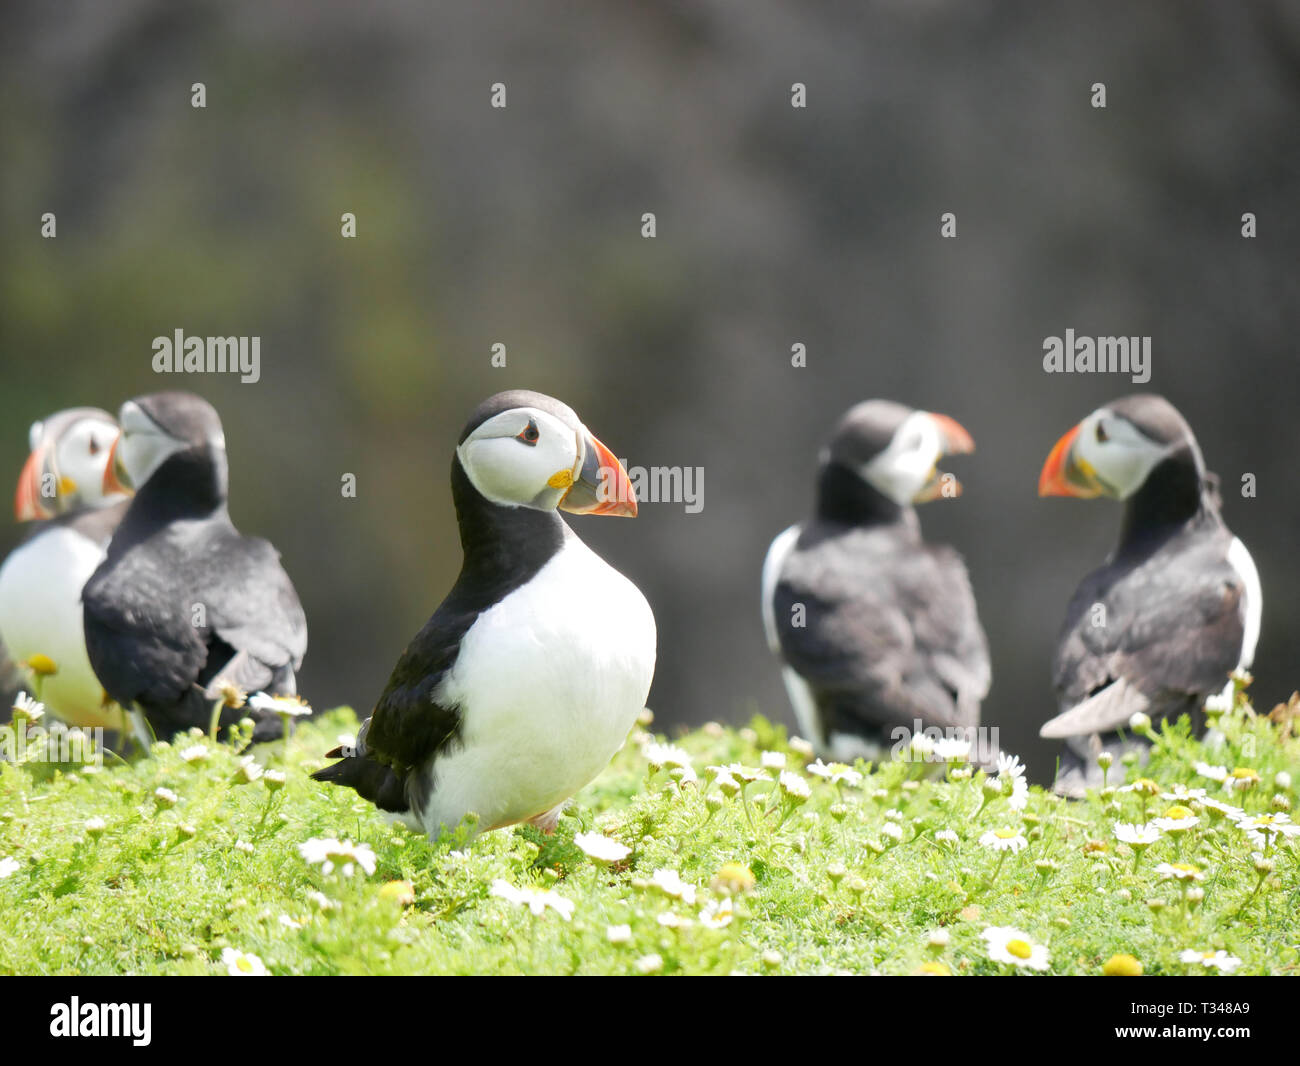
(163,425)
(1115,449)
(65,470)
(895,449)
(525,449)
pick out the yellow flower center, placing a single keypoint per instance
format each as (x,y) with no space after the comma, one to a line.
(243,965)
(1145,784)
(1245,773)
(1021,949)
(1122,966)
(42,665)
(1006,834)
(1178,813)
(1185,867)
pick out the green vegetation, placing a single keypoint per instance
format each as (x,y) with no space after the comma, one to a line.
(100,872)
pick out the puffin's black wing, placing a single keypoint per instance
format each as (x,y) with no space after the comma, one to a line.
(1156,636)
(170,614)
(408,725)
(891,633)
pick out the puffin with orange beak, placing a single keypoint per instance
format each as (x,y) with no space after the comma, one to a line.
(61,490)
(183,604)
(1160,625)
(526,680)
(875,629)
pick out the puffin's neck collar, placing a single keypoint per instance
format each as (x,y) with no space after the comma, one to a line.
(842,496)
(1174,494)
(189,484)
(495,538)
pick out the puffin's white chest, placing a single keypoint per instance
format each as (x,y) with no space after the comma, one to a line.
(40,613)
(549,682)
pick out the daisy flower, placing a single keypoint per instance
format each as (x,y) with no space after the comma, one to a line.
(536,900)
(1218,960)
(794,786)
(1242,779)
(1265,828)
(717,915)
(1177,819)
(95,826)
(1218,704)
(669,920)
(26,707)
(327,853)
(1226,809)
(1011,778)
(669,755)
(732,878)
(837,773)
(1006,839)
(194,753)
(892,830)
(601,848)
(1182,794)
(772,760)
(649,963)
(670,883)
(293,706)
(1180,871)
(1007,944)
(1214,773)
(952,749)
(1137,835)
(242,963)
(947,836)
(9,867)
(165,797)
(618,934)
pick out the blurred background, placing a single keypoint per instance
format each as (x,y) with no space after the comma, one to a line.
(775,226)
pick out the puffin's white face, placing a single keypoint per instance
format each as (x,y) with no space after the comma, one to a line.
(144,445)
(908,465)
(1111,452)
(523,458)
(80,458)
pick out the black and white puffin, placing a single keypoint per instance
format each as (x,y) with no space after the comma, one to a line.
(61,488)
(1176,607)
(529,675)
(183,602)
(876,629)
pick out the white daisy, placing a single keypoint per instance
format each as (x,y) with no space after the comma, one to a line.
(952,749)
(717,915)
(1180,871)
(772,760)
(1006,839)
(1242,779)
(1007,944)
(1177,819)
(601,848)
(669,920)
(9,867)
(26,707)
(669,755)
(242,963)
(95,826)
(892,830)
(1214,773)
(165,797)
(1011,780)
(618,934)
(1137,835)
(328,852)
(1226,809)
(794,786)
(947,836)
(649,963)
(194,753)
(1218,703)
(670,883)
(1218,960)
(1262,829)
(837,773)
(289,705)
(536,900)
(1180,793)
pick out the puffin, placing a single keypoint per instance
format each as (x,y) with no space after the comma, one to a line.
(61,491)
(875,629)
(183,604)
(528,677)
(1162,623)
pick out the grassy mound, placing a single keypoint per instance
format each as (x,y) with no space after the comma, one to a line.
(895,871)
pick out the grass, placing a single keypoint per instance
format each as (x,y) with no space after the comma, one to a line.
(792,885)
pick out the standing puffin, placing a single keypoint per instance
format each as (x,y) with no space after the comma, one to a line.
(1175,608)
(41,580)
(526,680)
(875,628)
(183,602)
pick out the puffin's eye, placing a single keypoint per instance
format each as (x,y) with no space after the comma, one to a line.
(94,446)
(529,433)
(1102,435)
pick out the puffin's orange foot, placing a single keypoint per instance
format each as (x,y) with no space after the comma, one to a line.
(548,820)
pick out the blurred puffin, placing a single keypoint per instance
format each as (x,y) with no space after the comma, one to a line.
(875,628)
(526,680)
(1175,608)
(62,489)
(183,602)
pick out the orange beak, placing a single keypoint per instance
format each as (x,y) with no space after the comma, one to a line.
(113,471)
(956,441)
(1064,476)
(602,486)
(28,504)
